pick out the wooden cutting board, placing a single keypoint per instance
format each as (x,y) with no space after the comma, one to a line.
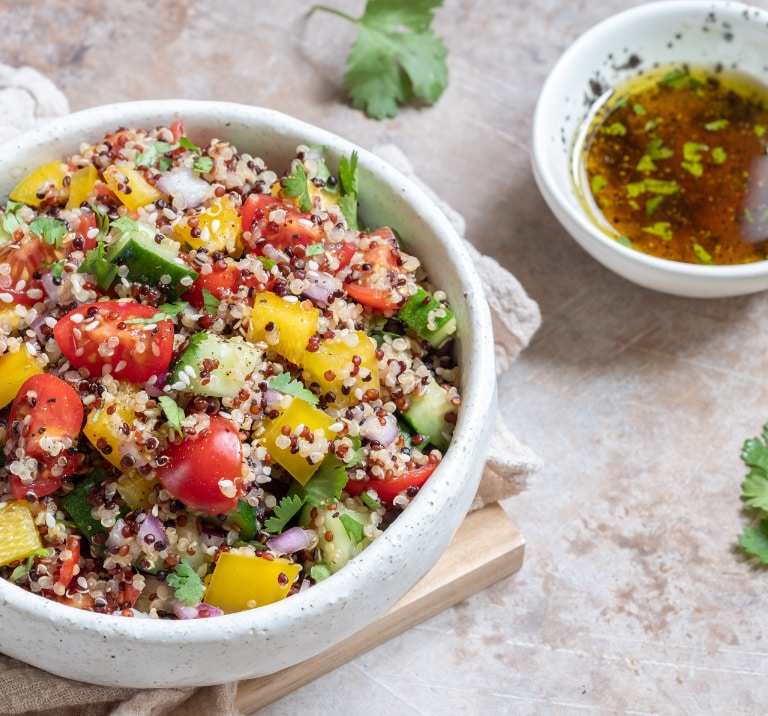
(489,548)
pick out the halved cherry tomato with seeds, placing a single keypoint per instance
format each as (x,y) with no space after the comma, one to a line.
(44,423)
(120,337)
(298,228)
(224,280)
(388,490)
(375,279)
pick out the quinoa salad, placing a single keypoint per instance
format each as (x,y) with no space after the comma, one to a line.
(217,385)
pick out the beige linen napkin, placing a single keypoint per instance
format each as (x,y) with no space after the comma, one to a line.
(28,98)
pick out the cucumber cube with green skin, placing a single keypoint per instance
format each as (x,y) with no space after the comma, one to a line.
(343,543)
(431,320)
(214,365)
(152,263)
(426,415)
(77,506)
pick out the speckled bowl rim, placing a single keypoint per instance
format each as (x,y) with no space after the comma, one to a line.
(452,487)
(559,196)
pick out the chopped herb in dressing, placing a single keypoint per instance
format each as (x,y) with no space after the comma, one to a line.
(676,165)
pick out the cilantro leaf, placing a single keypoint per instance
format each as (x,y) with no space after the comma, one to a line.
(352,527)
(23,569)
(283,512)
(202,165)
(325,485)
(754,541)
(396,57)
(210,302)
(186,583)
(165,310)
(51,231)
(284,384)
(96,264)
(349,189)
(296,185)
(125,224)
(172,411)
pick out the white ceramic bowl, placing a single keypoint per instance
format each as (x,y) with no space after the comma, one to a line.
(127,652)
(659,33)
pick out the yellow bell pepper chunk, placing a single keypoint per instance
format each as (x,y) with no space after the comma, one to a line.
(241,581)
(291,324)
(18,533)
(312,449)
(103,427)
(130,186)
(80,185)
(219,227)
(344,366)
(15,368)
(32,189)
(135,489)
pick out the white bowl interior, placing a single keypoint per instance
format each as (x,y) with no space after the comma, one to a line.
(145,653)
(655,34)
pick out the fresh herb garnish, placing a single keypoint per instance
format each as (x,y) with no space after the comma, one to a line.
(155,155)
(202,165)
(165,311)
(186,583)
(352,527)
(57,268)
(283,513)
(51,231)
(173,413)
(210,302)
(754,493)
(23,569)
(349,189)
(125,224)
(296,185)
(396,57)
(96,265)
(283,383)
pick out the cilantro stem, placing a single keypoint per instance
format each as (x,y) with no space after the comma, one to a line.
(333,11)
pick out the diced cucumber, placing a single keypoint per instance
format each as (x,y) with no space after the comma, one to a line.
(344,543)
(426,415)
(214,365)
(152,263)
(431,320)
(243,518)
(77,506)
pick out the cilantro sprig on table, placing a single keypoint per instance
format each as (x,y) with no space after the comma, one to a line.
(754,492)
(396,57)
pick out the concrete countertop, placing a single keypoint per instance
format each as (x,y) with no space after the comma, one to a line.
(632,598)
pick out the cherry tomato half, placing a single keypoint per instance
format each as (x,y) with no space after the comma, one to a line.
(119,335)
(45,420)
(297,229)
(205,471)
(377,276)
(388,490)
(224,280)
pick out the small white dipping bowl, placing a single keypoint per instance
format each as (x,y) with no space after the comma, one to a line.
(702,34)
(141,653)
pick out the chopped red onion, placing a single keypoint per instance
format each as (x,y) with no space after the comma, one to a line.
(321,287)
(292,540)
(37,326)
(196,611)
(187,189)
(152,533)
(116,537)
(154,387)
(50,287)
(386,434)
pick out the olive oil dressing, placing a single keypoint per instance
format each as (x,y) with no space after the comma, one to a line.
(675,166)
